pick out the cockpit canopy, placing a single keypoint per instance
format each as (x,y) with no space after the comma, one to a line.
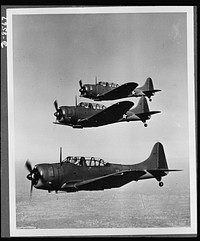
(94,106)
(85,161)
(113,85)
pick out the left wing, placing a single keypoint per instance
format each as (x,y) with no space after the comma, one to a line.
(120,92)
(117,179)
(109,115)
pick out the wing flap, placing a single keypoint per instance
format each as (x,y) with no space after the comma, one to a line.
(108,115)
(120,92)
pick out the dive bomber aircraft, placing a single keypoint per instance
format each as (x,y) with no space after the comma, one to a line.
(111,91)
(93,115)
(75,173)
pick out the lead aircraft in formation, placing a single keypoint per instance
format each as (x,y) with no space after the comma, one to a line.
(78,173)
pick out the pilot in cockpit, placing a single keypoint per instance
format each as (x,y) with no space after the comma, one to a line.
(76,161)
(83,161)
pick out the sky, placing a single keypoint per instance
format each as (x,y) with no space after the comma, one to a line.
(52,52)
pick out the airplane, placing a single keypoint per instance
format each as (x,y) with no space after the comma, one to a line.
(110,91)
(79,173)
(93,115)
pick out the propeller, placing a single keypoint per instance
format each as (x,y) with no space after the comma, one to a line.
(60,156)
(56,105)
(82,89)
(30,175)
(58,114)
(81,84)
(33,176)
(28,166)
(76,100)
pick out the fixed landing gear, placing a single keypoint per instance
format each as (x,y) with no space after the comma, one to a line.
(161,184)
(145,124)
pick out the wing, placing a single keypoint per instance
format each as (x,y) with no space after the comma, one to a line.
(109,115)
(113,180)
(120,92)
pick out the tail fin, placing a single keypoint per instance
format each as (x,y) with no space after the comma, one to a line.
(157,158)
(147,89)
(156,163)
(142,110)
(142,106)
(148,85)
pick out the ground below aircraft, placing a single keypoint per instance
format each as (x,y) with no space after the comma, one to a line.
(75,173)
(111,91)
(93,115)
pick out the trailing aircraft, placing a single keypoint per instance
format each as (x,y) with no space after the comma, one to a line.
(93,115)
(111,91)
(78,173)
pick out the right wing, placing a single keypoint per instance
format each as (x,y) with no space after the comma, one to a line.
(120,92)
(109,115)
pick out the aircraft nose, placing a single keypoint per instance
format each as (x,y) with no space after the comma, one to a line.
(83,90)
(56,114)
(29,176)
(40,177)
(39,184)
(59,114)
(35,176)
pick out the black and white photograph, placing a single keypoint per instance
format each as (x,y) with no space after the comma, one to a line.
(101,121)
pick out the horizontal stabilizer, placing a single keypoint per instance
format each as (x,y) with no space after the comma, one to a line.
(146,115)
(163,170)
(150,91)
(158,173)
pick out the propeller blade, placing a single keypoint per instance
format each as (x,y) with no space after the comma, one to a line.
(82,89)
(60,155)
(81,84)
(75,100)
(29,176)
(58,114)
(56,105)
(28,166)
(31,189)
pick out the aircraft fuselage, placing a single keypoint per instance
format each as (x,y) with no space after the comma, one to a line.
(76,173)
(64,177)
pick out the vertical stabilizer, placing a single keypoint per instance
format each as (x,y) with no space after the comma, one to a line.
(157,159)
(142,106)
(148,85)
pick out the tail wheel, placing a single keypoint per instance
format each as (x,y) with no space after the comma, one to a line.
(161,184)
(145,124)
